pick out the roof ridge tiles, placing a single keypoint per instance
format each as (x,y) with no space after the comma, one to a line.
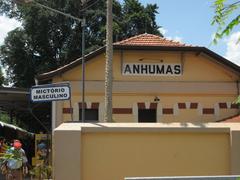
(150,40)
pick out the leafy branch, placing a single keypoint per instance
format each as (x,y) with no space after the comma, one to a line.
(237,100)
(222,14)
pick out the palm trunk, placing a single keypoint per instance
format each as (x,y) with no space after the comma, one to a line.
(108,68)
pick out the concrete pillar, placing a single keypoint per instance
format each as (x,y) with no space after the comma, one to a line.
(235,152)
(67,165)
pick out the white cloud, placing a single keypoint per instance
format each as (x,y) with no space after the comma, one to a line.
(163,31)
(233,48)
(175,38)
(7,25)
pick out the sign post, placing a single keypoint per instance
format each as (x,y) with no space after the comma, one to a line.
(50,92)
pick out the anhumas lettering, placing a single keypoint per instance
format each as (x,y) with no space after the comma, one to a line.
(152,69)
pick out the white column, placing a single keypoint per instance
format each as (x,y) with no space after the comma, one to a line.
(200,109)
(216,110)
(188,104)
(135,112)
(76,111)
(159,112)
(175,109)
(229,105)
(53,115)
(101,112)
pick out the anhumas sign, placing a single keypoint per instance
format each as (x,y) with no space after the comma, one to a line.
(50,92)
(152,69)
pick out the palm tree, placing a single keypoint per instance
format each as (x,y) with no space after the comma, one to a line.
(108,68)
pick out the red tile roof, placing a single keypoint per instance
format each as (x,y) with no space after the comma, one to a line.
(150,40)
(235,118)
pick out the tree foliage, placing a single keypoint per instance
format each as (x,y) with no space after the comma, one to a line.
(47,40)
(2,79)
(224,13)
(238,100)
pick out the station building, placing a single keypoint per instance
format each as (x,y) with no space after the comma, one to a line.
(154,80)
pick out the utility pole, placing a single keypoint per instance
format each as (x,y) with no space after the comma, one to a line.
(83,68)
(108,68)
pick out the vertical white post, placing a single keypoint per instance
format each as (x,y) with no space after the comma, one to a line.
(76,112)
(53,115)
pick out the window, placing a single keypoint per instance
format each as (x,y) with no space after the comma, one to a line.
(147,115)
(91,115)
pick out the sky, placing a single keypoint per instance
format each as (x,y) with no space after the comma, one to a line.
(188,21)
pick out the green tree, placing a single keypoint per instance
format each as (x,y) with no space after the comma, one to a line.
(2,79)
(138,19)
(18,55)
(225,17)
(48,40)
(224,12)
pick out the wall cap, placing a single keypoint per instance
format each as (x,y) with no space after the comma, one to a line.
(149,127)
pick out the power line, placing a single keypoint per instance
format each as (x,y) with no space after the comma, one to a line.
(89,4)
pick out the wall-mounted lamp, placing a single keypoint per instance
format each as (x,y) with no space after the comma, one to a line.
(156,99)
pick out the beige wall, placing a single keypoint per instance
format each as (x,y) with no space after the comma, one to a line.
(203,81)
(195,67)
(114,151)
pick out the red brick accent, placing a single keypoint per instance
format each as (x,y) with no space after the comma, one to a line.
(122,111)
(141,106)
(208,111)
(193,105)
(80,105)
(67,110)
(182,105)
(167,110)
(153,106)
(223,105)
(95,105)
(234,106)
